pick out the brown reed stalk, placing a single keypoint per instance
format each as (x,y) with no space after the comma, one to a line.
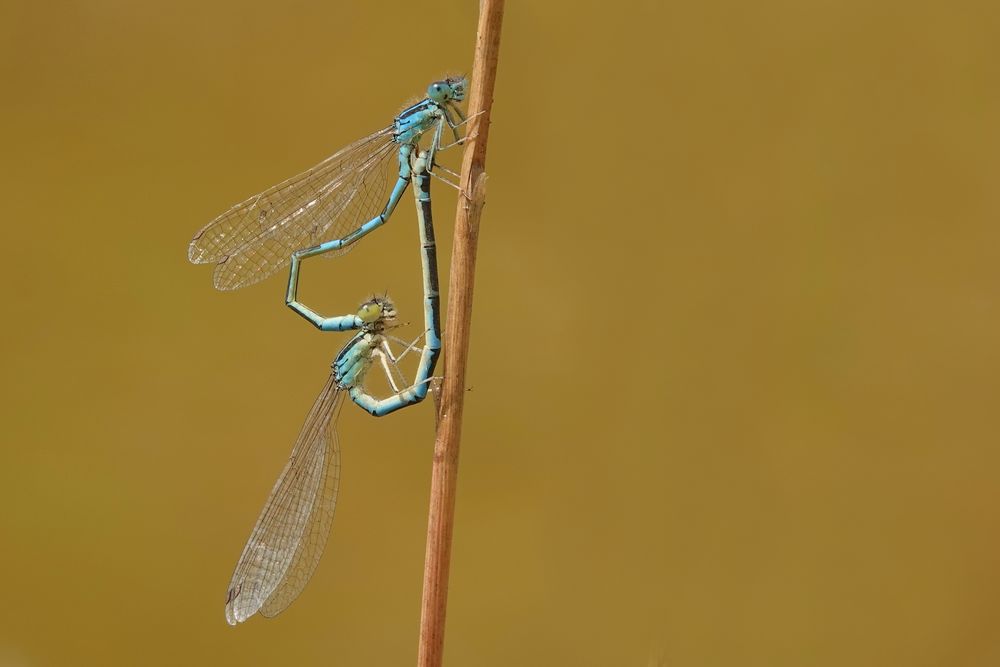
(444,475)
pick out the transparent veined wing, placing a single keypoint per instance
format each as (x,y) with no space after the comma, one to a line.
(288,539)
(255,238)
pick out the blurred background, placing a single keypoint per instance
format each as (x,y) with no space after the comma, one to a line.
(734,370)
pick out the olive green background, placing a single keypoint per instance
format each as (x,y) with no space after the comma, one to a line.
(734,369)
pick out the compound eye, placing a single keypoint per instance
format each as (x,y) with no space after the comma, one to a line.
(437,91)
(370,312)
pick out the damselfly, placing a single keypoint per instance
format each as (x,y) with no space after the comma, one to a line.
(291,532)
(336,199)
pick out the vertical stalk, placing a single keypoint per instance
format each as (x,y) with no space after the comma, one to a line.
(444,475)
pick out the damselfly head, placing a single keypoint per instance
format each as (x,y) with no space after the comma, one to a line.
(451,89)
(377,309)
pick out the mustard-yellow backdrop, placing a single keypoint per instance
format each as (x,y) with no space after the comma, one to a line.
(734,374)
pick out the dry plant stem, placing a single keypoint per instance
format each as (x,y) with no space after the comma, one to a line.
(444,476)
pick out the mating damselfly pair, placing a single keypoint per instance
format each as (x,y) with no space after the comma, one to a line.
(326,210)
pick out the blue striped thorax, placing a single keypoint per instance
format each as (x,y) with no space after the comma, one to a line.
(413,121)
